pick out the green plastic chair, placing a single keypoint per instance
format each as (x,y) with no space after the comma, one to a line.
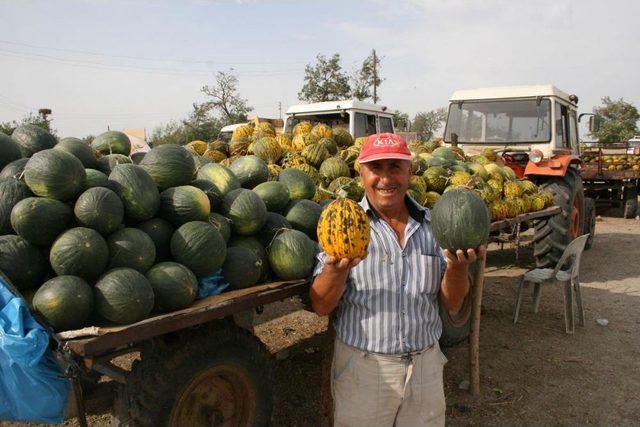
(566,272)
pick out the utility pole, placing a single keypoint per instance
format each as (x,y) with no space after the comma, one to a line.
(375,79)
(280,110)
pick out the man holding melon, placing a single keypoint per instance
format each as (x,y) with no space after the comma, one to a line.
(384,274)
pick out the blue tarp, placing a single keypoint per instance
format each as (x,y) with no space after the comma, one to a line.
(211,285)
(32,386)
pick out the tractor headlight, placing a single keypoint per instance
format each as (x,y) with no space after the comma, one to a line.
(536,156)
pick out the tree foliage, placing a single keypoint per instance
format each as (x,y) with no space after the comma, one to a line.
(619,120)
(325,81)
(366,78)
(401,120)
(9,126)
(429,122)
(226,100)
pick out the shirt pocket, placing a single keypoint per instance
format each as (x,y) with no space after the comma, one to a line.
(428,269)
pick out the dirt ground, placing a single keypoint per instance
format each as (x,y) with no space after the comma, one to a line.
(532,373)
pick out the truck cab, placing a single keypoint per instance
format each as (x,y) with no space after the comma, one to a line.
(359,118)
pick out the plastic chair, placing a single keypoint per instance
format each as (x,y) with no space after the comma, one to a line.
(569,277)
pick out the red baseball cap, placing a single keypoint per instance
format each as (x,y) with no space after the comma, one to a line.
(384,146)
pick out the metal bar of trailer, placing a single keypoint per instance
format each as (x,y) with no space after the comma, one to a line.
(497,225)
(203,311)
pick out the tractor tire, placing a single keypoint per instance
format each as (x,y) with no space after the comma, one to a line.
(211,376)
(589,221)
(630,208)
(552,235)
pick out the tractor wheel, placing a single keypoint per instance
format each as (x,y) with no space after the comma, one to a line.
(552,235)
(630,208)
(589,221)
(209,377)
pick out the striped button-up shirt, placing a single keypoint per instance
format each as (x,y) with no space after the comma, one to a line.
(390,304)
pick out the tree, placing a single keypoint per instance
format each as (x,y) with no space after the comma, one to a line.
(428,123)
(225,99)
(325,81)
(200,125)
(366,80)
(401,120)
(8,127)
(619,120)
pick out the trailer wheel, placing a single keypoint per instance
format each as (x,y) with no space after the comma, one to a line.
(207,378)
(589,221)
(552,235)
(630,203)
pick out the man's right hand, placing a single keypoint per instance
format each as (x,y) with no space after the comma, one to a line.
(341,265)
(328,286)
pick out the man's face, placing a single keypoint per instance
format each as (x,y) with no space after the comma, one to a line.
(386,182)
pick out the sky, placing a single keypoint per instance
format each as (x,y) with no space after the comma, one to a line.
(131,64)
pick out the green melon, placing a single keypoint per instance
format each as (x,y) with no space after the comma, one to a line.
(445,153)
(21,262)
(242,268)
(160,232)
(221,176)
(250,171)
(253,244)
(292,255)
(212,192)
(105,164)
(66,302)
(79,149)
(112,142)
(199,246)
(267,149)
(95,178)
(169,165)
(304,215)
(14,169)
(174,286)
(183,204)
(123,296)
(460,220)
(39,220)
(334,167)
(55,174)
(315,154)
(274,223)
(101,209)
(274,194)
(32,138)
(299,184)
(330,145)
(79,252)
(342,137)
(246,210)
(222,223)
(137,157)
(131,248)
(9,150)
(137,190)
(11,192)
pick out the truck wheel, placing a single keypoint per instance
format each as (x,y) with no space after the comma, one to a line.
(630,203)
(207,378)
(589,221)
(552,235)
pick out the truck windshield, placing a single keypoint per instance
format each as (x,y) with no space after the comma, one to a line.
(331,119)
(492,122)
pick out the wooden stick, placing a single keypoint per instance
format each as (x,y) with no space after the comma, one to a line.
(474,335)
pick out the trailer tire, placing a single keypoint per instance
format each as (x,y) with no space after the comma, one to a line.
(210,376)
(630,208)
(552,235)
(589,221)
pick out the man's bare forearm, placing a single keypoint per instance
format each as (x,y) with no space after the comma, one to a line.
(454,288)
(326,291)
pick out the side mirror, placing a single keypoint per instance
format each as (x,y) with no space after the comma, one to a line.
(594,123)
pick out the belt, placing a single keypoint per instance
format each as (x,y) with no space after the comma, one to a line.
(406,357)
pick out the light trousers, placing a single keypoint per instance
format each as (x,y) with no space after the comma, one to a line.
(378,390)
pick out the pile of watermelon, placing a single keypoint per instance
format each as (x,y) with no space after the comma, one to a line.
(92,234)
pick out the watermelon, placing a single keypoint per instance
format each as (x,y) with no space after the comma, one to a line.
(39,221)
(333,168)
(253,244)
(21,262)
(95,178)
(212,192)
(221,176)
(274,194)
(112,142)
(66,302)
(169,165)
(55,174)
(299,184)
(160,232)
(11,192)
(292,255)
(79,149)
(444,153)
(131,248)
(137,157)
(32,138)
(304,215)
(105,164)
(123,296)
(460,220)
(246,210)
(222,223)
(79,252)
(241,268)
(137,190)
(174,285)
(274,223)
(101,209)
(186,203)
(9,150)
(250,171)
(14,169)
(199,246)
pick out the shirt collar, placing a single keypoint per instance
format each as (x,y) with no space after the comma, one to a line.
(416,211)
